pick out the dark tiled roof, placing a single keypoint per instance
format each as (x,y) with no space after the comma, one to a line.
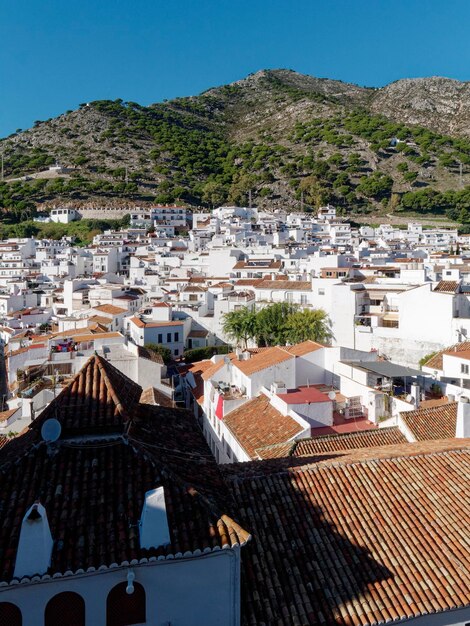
(93,486)
(356,542)
(151,355)
(156,397)
(257,423)
(99,399)
(349,441)
(437,422)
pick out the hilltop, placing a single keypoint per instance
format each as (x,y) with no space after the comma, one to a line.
(282,135)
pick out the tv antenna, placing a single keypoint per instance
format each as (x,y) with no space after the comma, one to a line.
(51,430)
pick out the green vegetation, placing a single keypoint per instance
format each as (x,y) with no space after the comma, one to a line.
(163,351)
(277,324)
(200,354)
(203,152)
(82,231)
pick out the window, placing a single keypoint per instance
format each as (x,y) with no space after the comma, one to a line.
(124,609)
(160,338)
(463,368)
(177,336)
(168,337)
(303,299)
(65,608)
(10,615)
(321,292)
(176,352)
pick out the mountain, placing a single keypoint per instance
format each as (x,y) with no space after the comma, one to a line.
(282,135)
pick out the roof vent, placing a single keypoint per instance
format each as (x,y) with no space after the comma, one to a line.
(35,545)
(153,525)
(463,418)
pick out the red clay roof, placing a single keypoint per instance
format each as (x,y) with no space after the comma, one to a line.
(93,488)
(353,541)
(349,441)
(437,422)
(98,399)
(306,347)
(257,423)
(435,362)
(262,360)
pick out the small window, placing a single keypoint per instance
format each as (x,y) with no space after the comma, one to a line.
(168,337)
(10,615)
(177,336)
(321,292)
(463,368)
(176,352)
(65,608)
(124,609)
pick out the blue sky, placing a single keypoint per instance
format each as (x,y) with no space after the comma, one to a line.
(55,55)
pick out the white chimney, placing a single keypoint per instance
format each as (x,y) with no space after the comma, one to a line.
(463,418)
(414,391)
(153,524)
(35,544)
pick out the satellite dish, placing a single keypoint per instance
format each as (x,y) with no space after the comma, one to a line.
(51,430)
(332,395)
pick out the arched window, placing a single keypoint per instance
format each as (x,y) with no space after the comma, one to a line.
(124,609)
(10,615)
(65,608)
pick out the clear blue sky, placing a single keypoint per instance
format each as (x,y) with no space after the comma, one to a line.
(55,55)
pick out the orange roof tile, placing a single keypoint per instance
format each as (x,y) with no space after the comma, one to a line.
(262,360)
(437,422)
(257,423)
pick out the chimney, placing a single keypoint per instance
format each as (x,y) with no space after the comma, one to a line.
(463,418)
(414,391)
(35,544)
(153,525)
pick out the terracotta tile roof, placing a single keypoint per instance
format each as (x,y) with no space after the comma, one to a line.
(257,423)
(262,360)
(356,542)
(85,483)
(198,333)
(306,347)
(349,441)
(141,324)
(98,399)
(432,423)
(447,286)
(110,308)
(150,355)
(209,371)
(435,362)
(198,370)
(156,397)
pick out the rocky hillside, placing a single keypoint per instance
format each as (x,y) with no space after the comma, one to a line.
(286,137)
